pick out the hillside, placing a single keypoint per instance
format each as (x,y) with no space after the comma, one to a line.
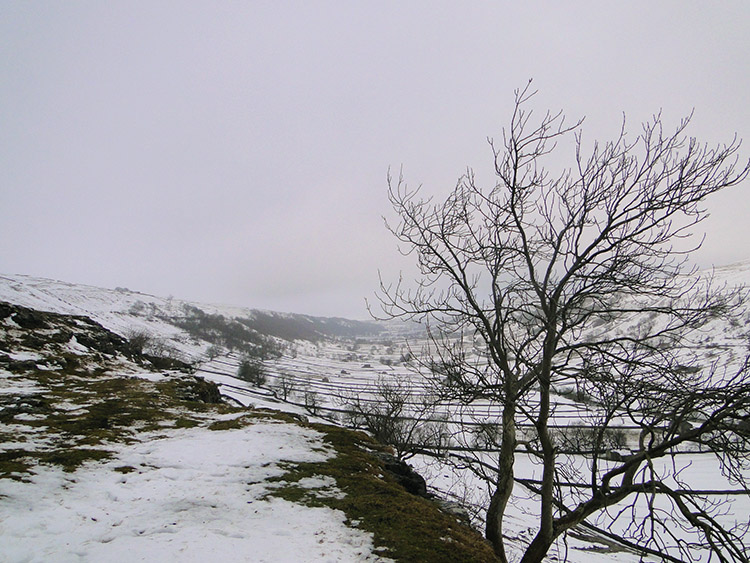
(105,457)
(320,368)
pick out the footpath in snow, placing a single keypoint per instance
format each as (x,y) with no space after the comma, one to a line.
(195,495)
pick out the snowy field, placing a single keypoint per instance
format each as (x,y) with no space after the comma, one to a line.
(192,495)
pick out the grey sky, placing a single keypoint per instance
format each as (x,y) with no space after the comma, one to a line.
(237,152)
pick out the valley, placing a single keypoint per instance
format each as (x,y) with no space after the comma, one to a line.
(322,371)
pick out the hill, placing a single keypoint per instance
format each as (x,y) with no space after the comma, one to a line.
(106,457)
(317,370)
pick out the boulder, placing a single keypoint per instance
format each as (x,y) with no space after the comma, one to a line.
(404,474)
(197,389)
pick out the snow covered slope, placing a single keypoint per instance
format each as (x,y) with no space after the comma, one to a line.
(122,310)
(328,359)
(105,458)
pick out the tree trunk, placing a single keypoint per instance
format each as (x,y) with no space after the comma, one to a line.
(537,550)
(504,488)
(546,534)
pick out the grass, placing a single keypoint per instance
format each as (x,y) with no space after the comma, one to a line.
(14,464)
(406,527)
(77,417)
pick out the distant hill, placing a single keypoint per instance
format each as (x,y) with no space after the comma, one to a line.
(116,309)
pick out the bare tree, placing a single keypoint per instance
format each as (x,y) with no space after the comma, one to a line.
(214,351)
(311,401)
(252,370)
(283,386)
(546,276)
(397,416)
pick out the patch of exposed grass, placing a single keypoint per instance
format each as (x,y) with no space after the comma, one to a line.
(114,408)
(70,408)
(251,417)
(71,459)
(233,424)
(409,528)
(76,416)
(186,422)
(125,469)
(14,464)
(17,463)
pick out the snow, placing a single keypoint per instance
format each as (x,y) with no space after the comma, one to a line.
(75,347)
(25,356)
(193,495)
(198,494)
(11,384)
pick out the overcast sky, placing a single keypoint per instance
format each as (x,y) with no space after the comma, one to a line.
(237,152)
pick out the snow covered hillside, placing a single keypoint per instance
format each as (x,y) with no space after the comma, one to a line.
(317,369)
(104,456)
